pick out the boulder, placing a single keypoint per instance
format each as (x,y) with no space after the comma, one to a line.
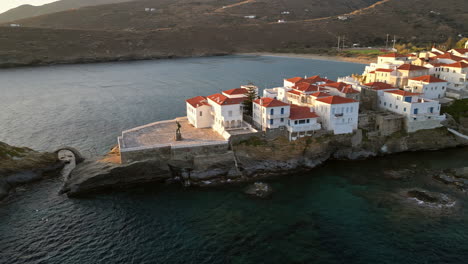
(94,176)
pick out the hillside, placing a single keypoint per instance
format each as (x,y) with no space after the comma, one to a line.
(26,11)
(188,28)
(186,13)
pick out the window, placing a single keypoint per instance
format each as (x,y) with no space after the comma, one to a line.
(396,106)
(229,113)
(282,120)
(308,121)
(431,110)
(201,113)
(404,109)
(271,121)
(408,99)
(295,122)
(415,111)
(385,103)
(302,121)
(282,111)
(272,111)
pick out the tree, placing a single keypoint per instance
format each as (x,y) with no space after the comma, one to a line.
(461,44)
(251,95)
(450,43)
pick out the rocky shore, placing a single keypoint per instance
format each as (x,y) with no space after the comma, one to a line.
(253,159)
(19,166)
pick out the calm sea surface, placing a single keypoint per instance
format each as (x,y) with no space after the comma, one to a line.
(342,212)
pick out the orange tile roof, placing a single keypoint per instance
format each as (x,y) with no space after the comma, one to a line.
(342,87)
(295,79)
(336,100)
(224,100)
(379,86)
(236,91)
(269,102)
(428,79)
(295,92)
(448,55)
(461,50)
(197,101)
(301,112)
(320,94)
(411,67)
(306,87)
(402,93)
(459,64)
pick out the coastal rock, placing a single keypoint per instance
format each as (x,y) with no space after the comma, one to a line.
(23,165)
(95,176)
(259,189)
(428,199)
(455,177)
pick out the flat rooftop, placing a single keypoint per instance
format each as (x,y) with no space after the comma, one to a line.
(160,134)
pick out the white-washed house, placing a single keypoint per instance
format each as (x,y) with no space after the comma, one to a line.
(338,114)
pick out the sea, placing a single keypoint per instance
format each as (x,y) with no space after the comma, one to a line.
(340,212)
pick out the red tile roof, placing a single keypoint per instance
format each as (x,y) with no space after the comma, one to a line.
(461,50)
(320,94)
(342,87)
(295,79)
(411,67)
(269,102)
(197,101)
(393,55)
(224,100)
(448,55)
(402,93)
(301,112)
(379,86)
(295,92)
(428,79)
(306,87)
(336,100)
(236,91)
(460,64)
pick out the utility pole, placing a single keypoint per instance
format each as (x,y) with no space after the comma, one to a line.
(338,42)
(394,41)
(343,42)
(386,42)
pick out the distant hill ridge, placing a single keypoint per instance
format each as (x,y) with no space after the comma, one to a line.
(26,11)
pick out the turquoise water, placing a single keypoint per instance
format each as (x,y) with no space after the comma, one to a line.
(342,212)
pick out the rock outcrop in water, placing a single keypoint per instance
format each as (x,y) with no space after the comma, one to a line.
(255,158)
(23,165)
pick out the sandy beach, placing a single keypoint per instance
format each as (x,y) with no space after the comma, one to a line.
(362,60)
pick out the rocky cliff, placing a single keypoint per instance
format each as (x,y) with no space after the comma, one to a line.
(255,158)
(22,165)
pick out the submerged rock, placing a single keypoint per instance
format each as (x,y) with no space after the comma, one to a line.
(456,177)
(430,199)
(259,189)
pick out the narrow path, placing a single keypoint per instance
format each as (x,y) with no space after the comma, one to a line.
(355,12)
(234,5)
(457,133)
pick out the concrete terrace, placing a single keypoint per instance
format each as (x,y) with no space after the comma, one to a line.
(161,134)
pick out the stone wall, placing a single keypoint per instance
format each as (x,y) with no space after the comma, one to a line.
(388,124)
(421,125)
(162,153)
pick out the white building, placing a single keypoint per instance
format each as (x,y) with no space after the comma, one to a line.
(420,113)
(338,114)
(455,74)
(302,122)
(199,112)
(429,86)
(269,113)
(460,52)
(221,111)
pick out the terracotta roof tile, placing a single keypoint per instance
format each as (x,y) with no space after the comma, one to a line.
(197,101)
(428,79)
(269,102)
(336,100)
(224,100)
(301,112)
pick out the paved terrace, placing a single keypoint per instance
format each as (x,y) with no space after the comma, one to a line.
(162,134)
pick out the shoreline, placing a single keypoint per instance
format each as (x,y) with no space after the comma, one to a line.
(361,60)
(84,60)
